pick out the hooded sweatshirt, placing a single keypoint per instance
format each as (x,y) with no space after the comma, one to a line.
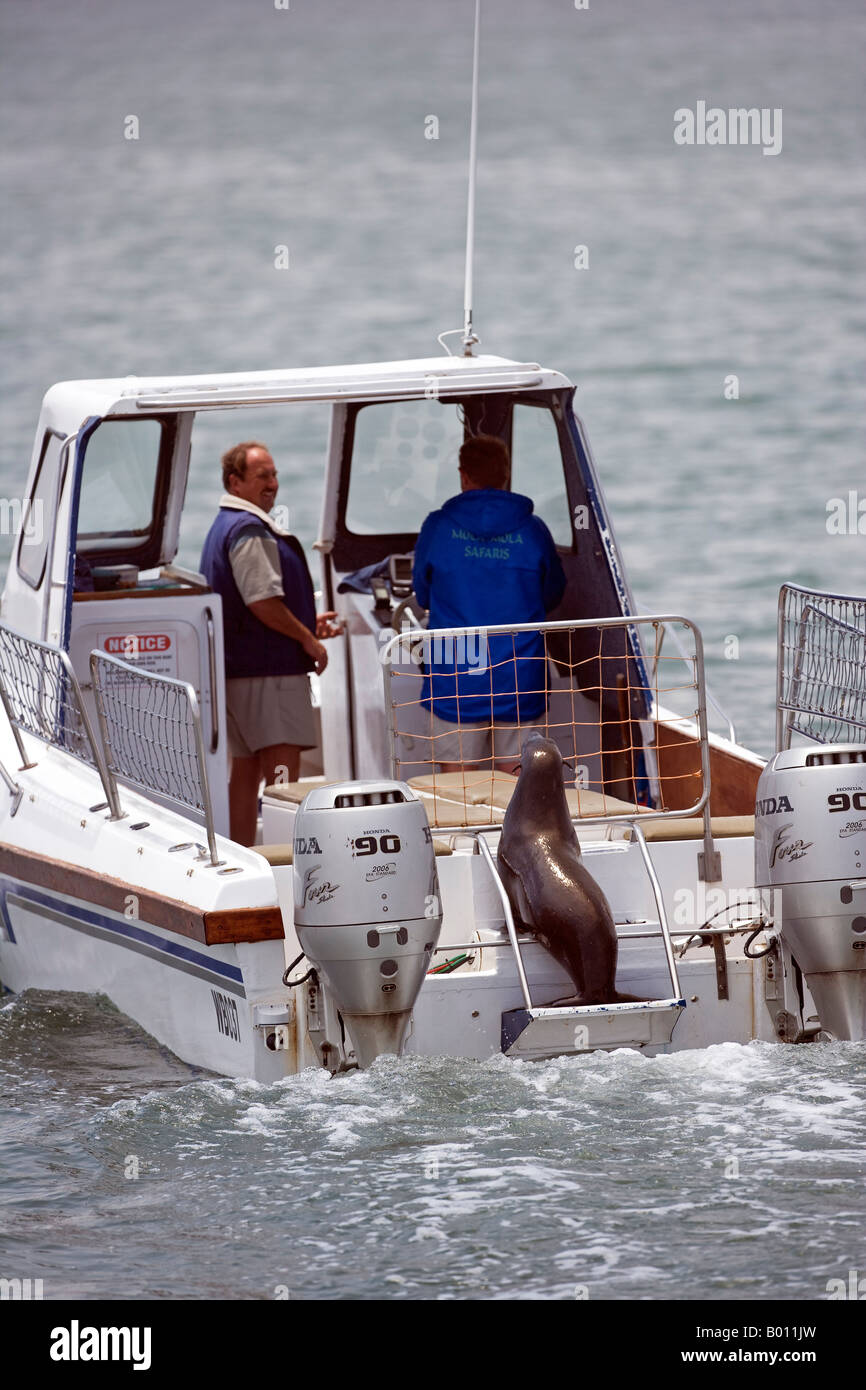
(483,558)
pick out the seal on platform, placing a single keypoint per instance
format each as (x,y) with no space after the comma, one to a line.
(550,891)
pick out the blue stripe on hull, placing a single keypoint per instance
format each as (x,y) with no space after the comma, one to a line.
(130,935)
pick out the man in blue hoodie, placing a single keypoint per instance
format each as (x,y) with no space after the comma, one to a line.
(483,559)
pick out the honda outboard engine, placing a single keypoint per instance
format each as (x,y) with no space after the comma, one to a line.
(810,843)
(367,905)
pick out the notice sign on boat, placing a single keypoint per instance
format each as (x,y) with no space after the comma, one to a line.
(154,651)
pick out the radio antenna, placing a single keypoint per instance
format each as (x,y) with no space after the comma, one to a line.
(469,335)
(467,332)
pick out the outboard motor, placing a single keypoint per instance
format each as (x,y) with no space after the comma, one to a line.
(367,904)
(810,843)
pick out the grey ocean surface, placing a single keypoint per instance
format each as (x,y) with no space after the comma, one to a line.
(731,1173)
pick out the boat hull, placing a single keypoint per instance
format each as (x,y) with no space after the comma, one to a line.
(197,1000)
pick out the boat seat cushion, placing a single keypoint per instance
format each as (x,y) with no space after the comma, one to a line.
(440,810)
(472,797)
(724,828)
(276,855)
(294,792)
(477,789)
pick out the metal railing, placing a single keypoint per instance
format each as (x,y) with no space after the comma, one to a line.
(821,667)
(151,732)
(41,697)
(581,666)
(510,926)
(711,699)
(149,726)
(664,930)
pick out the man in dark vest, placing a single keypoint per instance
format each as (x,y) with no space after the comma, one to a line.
(271,629)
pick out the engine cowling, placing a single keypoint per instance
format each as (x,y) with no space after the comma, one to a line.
(810,845)
(367,904)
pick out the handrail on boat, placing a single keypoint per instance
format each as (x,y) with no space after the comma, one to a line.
(711,699)
(820,667)
(152,735)
(603,669)
(13,788)
(509,917)
(660,905)
(664,928)
(41,696)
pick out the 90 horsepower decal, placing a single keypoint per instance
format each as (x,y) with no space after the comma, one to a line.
(370,844)
(841,801)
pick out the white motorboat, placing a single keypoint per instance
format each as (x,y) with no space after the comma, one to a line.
(734,920)
(732,885)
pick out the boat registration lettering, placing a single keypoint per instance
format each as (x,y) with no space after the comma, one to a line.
(227,1015)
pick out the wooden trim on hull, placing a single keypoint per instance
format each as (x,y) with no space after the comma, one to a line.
(243,924)
(214,928)
(733,780)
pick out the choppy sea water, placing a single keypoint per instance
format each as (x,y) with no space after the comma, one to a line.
(733,1173)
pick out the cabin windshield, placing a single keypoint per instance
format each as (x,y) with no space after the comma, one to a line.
(404,464)
(536,467)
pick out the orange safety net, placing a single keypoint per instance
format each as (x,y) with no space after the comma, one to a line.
(627,744)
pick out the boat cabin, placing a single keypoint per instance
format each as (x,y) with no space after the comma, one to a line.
(94,566)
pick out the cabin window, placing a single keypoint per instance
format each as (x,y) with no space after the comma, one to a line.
(38,517)
(404,464)
(118,486)
(536,468)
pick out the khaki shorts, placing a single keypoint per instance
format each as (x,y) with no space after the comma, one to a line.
(470,743)
(265,710)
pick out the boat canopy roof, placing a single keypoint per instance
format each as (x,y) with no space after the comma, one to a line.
(69,402)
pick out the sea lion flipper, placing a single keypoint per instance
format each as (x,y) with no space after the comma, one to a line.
(580,1001)
(513,884)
